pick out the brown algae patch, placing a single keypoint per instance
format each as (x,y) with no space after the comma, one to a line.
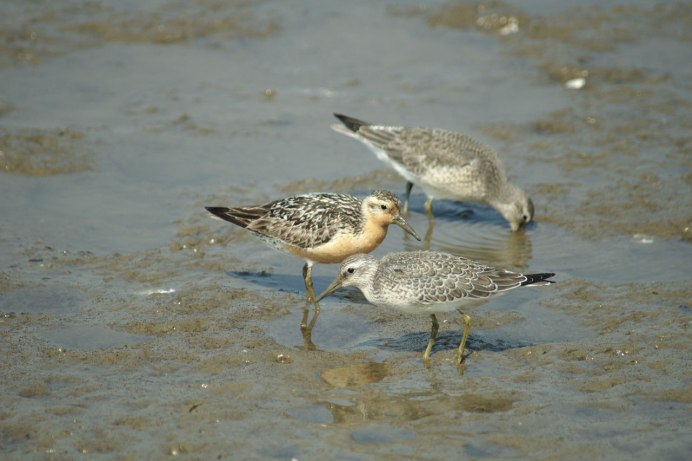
(489,17)
(626,306)
(34,152)
(484,404)
(134,422)
(36,34)
(6,108)
(167,27)
(356,374)
(682,395)
(373,405)
(363,182)
(622,118)
(592,152)
(37,389)
(31,36)
(587,29)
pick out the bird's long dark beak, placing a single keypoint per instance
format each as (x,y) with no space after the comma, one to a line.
(335,285)
(401,222)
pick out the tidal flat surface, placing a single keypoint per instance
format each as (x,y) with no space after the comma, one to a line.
(135,326)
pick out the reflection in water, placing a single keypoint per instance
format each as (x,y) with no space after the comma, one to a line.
(489,245)
(512,250)
(446,340)
(356,374)
(472,231)
(306,327)
(373,405)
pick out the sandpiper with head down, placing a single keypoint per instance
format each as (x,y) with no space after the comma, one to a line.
(428,282)
(445,164)
(320,227)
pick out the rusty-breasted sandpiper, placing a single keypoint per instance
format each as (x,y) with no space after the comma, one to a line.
(320,227)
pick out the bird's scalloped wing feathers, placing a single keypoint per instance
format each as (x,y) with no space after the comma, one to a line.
(426,149)
(442,277)
(306,221)
(385,138)
(421,150)
(241,216)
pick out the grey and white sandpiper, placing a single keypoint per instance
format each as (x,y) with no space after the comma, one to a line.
(428,282)
(320,227)
(445,164)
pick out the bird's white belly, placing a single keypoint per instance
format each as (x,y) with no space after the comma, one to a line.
(399,168)
(413,306)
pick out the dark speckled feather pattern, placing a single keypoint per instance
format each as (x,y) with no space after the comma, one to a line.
(445,164)
(434,277)
(445,159)
(304,221)
(428,282)
(314,218)
(419,281)
(422,150)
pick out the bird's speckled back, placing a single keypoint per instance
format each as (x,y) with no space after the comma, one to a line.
(433,277)
(314,218)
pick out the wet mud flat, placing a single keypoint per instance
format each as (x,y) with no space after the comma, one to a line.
(192,347)
(203,371)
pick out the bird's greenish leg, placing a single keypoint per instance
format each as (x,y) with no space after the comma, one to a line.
(433,335)
(307,278)
(409,186)
(428,234)
(464,337)
(428,208)
(305,327)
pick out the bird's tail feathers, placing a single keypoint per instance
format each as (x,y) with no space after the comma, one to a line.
(240,216)
(538,279)
(351,123)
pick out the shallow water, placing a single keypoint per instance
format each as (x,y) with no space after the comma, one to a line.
(136,327)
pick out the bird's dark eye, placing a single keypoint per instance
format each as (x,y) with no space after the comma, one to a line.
(383,206)
(350,270)
(526,218)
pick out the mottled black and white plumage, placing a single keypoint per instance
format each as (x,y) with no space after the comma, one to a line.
(320,227)
(445,164)
(428,282)
(309,221)
(314,218)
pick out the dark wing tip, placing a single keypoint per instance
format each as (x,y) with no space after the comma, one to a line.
(226,214)
(351,123)
(240,216)
(219,211)
(542,279)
